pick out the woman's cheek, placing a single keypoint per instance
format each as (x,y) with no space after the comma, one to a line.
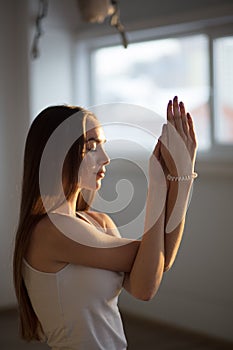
(90,162)
(87,171)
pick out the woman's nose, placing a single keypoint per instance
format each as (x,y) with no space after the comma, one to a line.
(104,158)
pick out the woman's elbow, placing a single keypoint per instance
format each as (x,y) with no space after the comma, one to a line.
(145,295)
(166,268)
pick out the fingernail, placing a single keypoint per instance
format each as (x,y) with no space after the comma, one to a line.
(175,98)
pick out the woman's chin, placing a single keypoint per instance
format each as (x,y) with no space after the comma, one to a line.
(98,184)
(95,186)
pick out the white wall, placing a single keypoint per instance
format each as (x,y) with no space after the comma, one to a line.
(51,79)
(26,87)
(14,111)
(197,292)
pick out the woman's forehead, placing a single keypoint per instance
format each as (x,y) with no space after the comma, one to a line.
(95,132)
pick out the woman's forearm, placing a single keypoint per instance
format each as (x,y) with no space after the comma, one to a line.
(145,277)
(176,207)
(164,225)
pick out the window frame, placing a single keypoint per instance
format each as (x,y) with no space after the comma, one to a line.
(212,28)
(218,150)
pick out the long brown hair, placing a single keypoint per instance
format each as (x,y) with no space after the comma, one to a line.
(32,209)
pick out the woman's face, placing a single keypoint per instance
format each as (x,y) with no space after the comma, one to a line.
(92,168)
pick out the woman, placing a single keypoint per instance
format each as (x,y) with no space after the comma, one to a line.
(71,263)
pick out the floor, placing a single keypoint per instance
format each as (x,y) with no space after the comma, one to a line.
(141,335)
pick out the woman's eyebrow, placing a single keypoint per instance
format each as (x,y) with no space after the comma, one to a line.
(96,139)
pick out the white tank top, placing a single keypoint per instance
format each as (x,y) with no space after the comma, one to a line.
(77,307)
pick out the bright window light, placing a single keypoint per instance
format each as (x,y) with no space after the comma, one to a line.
(152,72)
(223,54)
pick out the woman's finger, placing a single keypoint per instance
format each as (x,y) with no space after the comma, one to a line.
(191,129)
(184,119)
(177,116)
(170,116)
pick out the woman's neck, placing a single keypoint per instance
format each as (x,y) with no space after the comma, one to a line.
(69,206)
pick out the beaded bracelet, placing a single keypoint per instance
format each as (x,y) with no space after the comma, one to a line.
(182,178)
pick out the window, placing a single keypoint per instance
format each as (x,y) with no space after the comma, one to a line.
(195,64)
(152,72)
(223,69)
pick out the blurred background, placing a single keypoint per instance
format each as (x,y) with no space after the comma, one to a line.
(179,47)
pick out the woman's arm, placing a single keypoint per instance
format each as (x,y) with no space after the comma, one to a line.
(145,277)
(176,152)
(66,239)
(178,191)
(174,236)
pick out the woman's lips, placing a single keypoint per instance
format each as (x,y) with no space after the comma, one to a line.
(100,174)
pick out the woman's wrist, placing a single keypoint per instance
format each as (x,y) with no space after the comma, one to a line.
(183,177)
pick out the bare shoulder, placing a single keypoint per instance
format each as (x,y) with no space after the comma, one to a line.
(46,231)
(41,229)
(38,251)
(43,232)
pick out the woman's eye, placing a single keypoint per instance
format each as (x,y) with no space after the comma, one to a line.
(91,146)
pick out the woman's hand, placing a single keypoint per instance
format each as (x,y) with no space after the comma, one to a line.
(178,141)
(157,167)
